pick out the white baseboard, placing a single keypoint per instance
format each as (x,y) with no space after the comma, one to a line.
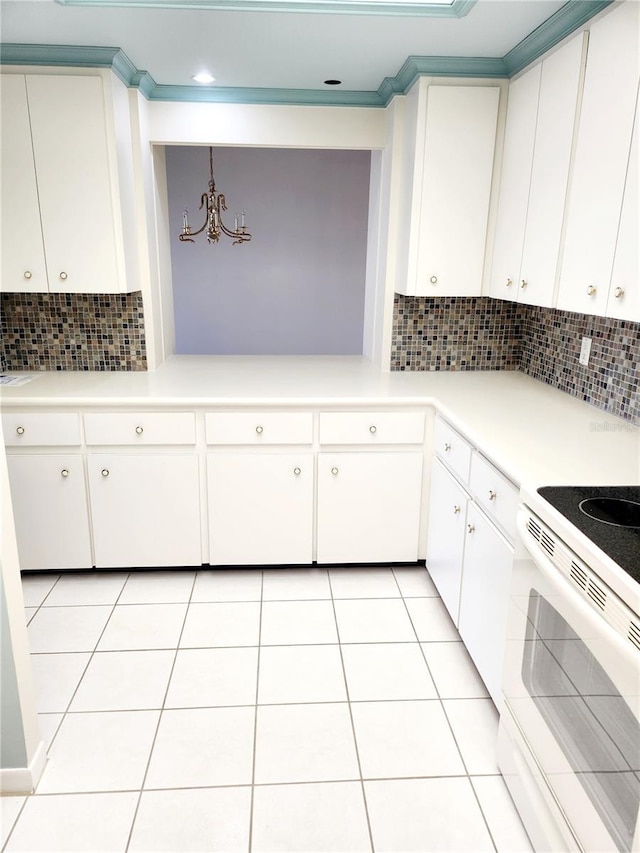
(23,780)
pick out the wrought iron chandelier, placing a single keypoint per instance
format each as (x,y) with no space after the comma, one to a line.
(213,226)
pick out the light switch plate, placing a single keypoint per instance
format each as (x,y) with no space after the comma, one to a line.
(585,351)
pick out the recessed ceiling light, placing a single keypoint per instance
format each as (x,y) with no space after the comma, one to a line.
(333,82)
(203,77)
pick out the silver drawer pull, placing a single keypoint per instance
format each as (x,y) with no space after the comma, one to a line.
(139,430)
(20,430)
(259,430)
(509,282)
(447,447)
(492,495)
(456,510)
(372,428)
(297,471)
(471,528)
(334,471)
(523,284)
(27,274)
(105,472)
(591,290)
(434,279)
(63,276)
(618,292)
(65,472)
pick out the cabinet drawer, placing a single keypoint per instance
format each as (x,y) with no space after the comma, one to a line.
(140,428)
(259,427)
(31,430)
(371,428)
(497,495)
(452,448)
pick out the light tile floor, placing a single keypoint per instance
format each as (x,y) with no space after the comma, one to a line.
(277,710)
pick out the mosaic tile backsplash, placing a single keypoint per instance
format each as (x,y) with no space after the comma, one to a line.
(72,331)
(479,333)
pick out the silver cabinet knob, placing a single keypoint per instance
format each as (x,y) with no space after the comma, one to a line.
(297,471)
(591,290)
(456,510)
(27,274)
(492,495)
(334,471)
(259,430)
(447,447)
(471,528)
(509,282)
(372,428)
(434,279)
(63,276)
(139,430)
(618,292)
(20,430)
(523,284)
(105,472)
(65,472)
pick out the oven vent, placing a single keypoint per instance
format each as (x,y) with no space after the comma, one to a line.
(597,595)
(578,575)
(547,543)
(586,583)
(533,528)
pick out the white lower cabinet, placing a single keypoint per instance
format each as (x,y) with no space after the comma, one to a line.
(145,509)
(260,508)
(469,552)
(445,546)
(49,498)
(368,507)
(484,598)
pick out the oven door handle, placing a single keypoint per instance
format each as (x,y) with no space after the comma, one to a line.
(596,619)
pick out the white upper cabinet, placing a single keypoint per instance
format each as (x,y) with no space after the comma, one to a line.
(601,161)
(450,141)
(539,136)
(64,145)
(624,292)
(22,264)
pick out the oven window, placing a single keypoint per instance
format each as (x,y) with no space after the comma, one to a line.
(590,720)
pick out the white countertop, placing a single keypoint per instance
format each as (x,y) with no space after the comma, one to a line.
(536,434)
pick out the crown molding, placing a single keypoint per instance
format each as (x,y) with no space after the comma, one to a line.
(569,18)
(413,8)
(566,20)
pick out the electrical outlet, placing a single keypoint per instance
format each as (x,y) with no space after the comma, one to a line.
(585,350)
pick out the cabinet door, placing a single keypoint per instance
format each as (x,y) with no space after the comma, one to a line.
(458,166)
(446,536)
(368,507)
(49,500)
(601,158)
(69,132)
(22,265)
(556,121)
(484,601)
(145,510)
(515,178)
(260,508)
(624,293)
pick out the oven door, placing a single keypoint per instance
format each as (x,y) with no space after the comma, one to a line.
(572,687)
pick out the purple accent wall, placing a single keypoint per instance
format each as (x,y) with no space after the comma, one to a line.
(298,287)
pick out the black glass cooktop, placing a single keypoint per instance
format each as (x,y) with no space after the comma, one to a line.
(607,515)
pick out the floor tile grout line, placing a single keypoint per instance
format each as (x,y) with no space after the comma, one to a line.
(255,719)
(353,727)
(157,729)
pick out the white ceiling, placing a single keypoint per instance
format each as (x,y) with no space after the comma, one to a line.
(279,50)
